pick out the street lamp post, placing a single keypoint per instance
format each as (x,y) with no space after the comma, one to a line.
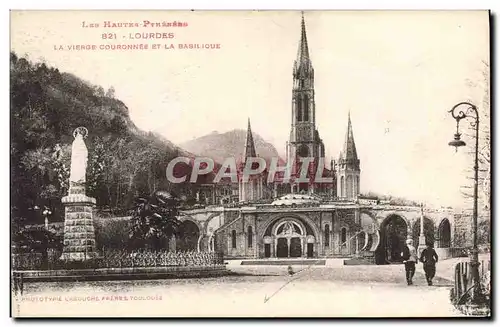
(46,212)
(470,111)
(421,238)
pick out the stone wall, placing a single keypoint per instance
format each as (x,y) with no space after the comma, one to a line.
(443,253)
(250,243)
(136,273)
(462,230)
(238,228)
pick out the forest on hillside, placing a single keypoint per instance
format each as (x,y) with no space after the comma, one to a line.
(124,162)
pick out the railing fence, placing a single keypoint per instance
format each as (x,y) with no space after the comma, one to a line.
(117,259)
(463,283)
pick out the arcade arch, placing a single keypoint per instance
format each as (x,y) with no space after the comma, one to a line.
(188,236)
(429,231)
(393,235)
(444,234)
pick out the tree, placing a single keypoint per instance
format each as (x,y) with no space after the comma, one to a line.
(99,91)
(484,186)
(96,168)
(37,240)
(46,105)
(111,92)
(154,220)
(60,165)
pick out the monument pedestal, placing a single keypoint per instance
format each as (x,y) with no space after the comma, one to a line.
(79,235)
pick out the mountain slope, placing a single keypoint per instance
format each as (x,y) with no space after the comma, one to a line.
(124,161)
(219,146)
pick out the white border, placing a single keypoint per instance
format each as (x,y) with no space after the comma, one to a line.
(494,5)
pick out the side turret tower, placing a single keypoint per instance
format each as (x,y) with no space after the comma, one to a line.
(348,174)
(252,189)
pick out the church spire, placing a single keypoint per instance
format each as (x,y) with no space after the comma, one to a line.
(303,51)
(249,151)
(349,152)
(349,169)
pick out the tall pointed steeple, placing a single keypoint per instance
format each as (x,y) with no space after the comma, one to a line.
(303,65)
(305,140)
(250,188)
(349,172)
(249,151)
(349,152)
(303,51)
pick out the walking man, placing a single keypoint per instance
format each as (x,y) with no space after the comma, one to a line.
(429,258)
(409,256)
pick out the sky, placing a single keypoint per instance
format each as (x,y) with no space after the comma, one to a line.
(398,73)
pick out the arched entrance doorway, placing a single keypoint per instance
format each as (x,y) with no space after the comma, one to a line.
(428,232)
(444,234)
(289,238)
(187,236)
(393,234)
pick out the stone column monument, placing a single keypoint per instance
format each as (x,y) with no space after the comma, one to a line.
(421,238)
(79,236)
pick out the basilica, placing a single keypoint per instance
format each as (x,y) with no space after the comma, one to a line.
(300,218)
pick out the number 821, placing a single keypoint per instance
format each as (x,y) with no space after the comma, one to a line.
(108,36)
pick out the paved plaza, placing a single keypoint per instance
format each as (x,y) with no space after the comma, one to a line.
(324,291)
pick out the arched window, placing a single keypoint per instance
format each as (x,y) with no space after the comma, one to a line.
(343,235)
(250,236)
(233,239)
(357,185)
(342,188)
(298,107)
(349,189)
(327,235)
(305,107)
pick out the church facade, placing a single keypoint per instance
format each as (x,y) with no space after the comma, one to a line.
(303,226)
(310,220)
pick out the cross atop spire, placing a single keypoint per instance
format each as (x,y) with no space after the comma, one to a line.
(249,151)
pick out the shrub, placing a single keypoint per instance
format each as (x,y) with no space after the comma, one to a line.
(112,232)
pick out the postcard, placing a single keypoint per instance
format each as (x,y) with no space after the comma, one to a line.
(250,163)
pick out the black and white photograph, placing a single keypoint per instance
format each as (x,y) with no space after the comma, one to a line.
(252,163)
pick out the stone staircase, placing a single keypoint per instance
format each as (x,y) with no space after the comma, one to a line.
(284,262)
(362,259)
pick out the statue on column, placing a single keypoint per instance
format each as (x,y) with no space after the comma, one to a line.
(79,234)
(79,155)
